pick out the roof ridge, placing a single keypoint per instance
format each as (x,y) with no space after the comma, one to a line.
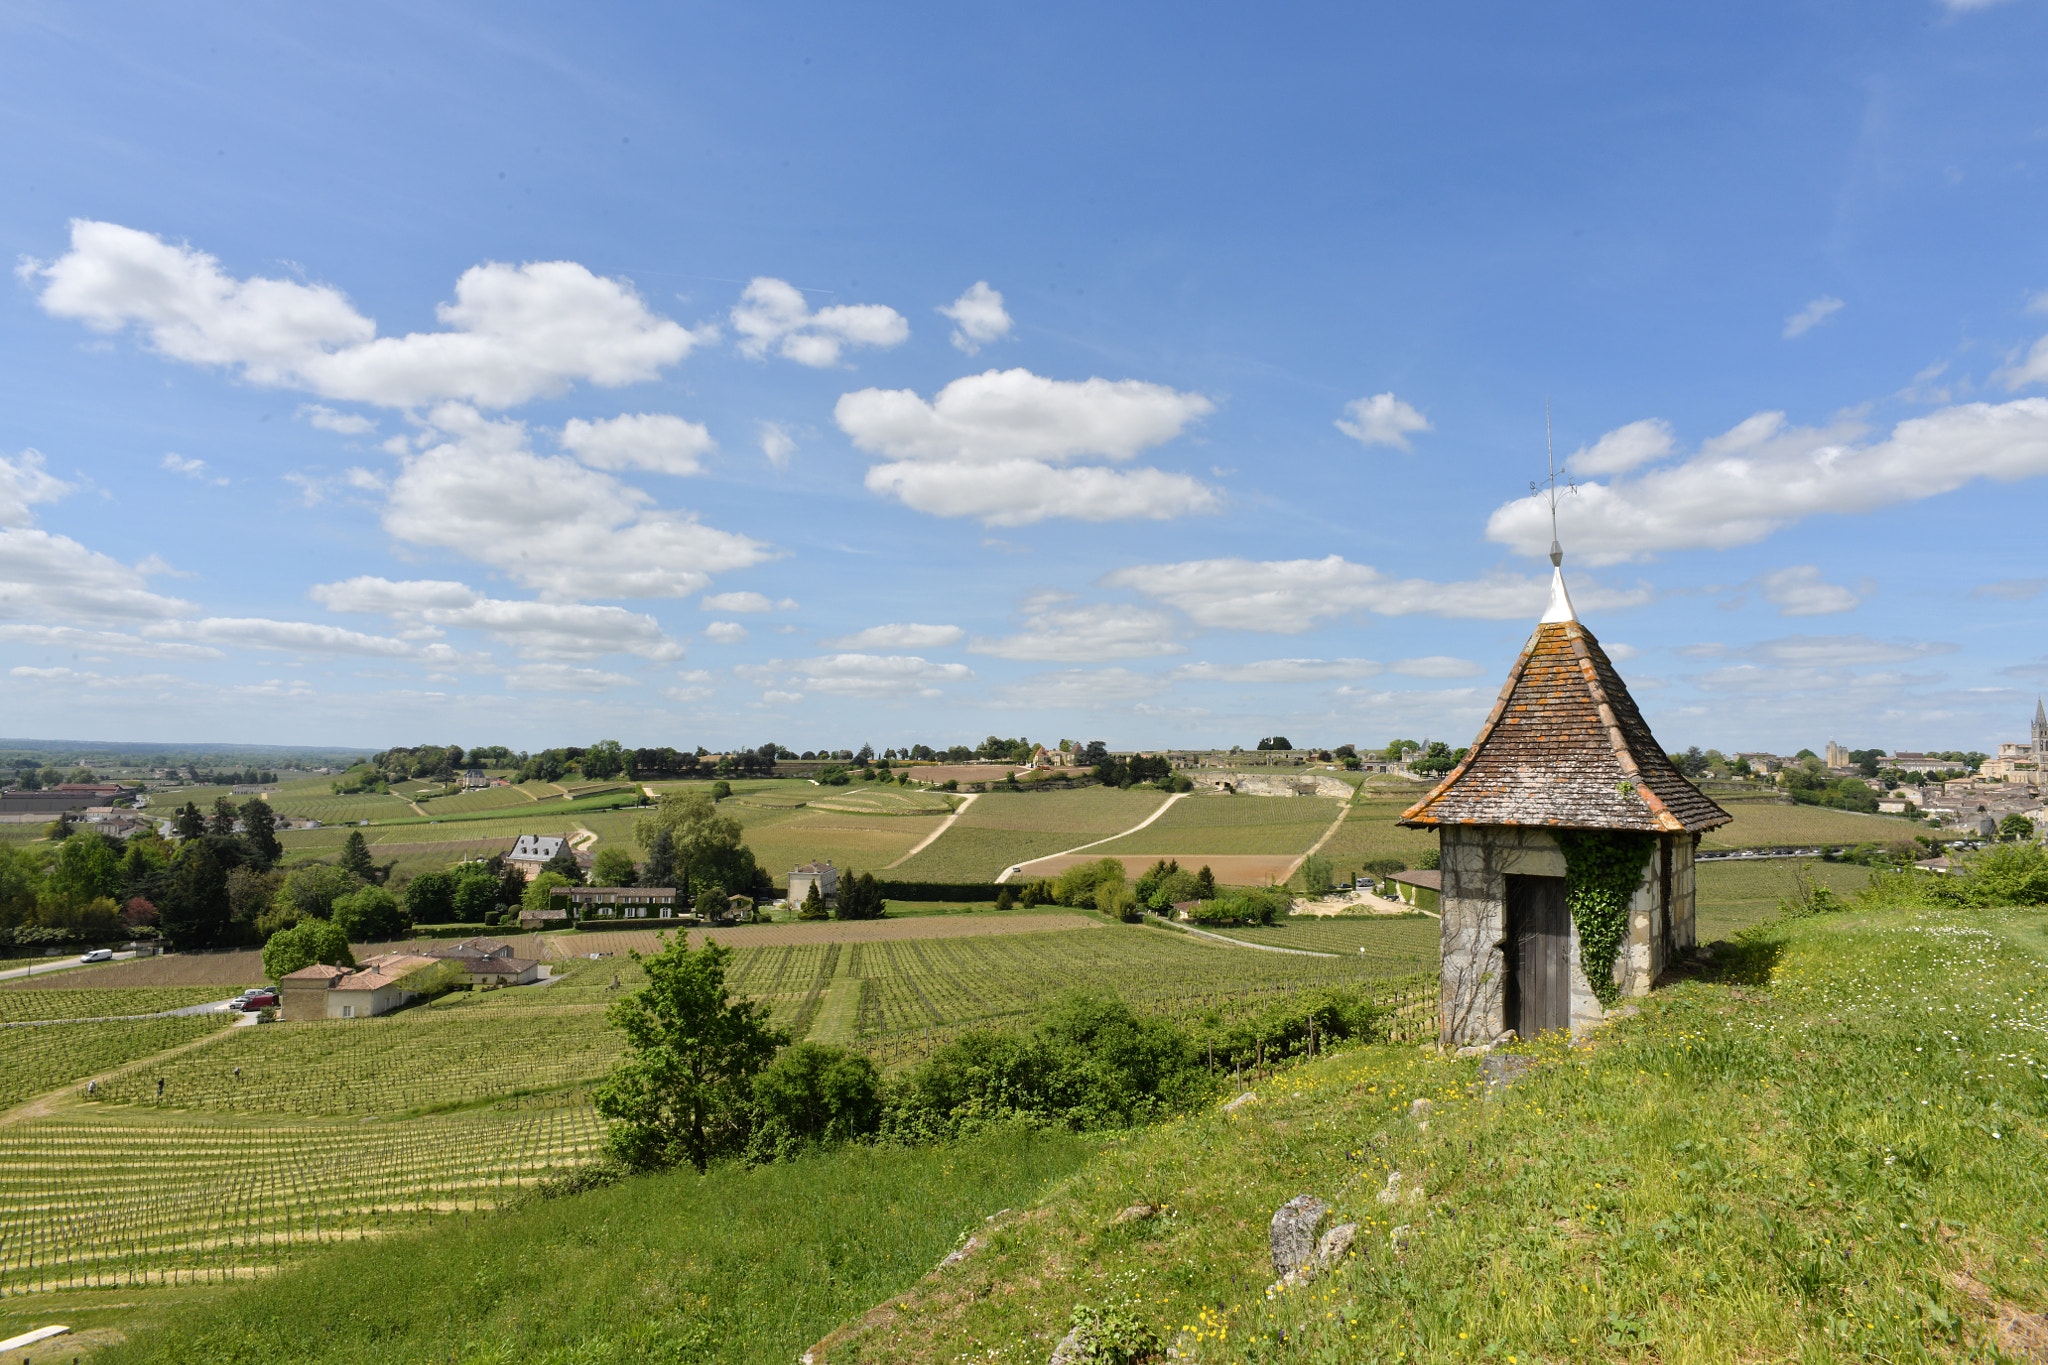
(1486,728)
(1577,635)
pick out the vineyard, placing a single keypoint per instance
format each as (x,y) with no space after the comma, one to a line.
(21,1003)
(418,1059)
(96,1200)
(1404,943)
(39,1058)
(487,798)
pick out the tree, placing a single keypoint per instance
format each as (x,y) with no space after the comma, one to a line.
(683,1091)
(613,867)
(356,860)
(259,831)
(2016,828)
(303,945)
(87,868)
(190,823)
(430,898)
(565,865)
(861,898)
(711,903)
(708,846)
(195,910)
(606,758)
(313,889)
(815,1095)
(371,913)
(813,906)
(660,867)
(474,894)
(536,897)
(1205,884)
(250,893)
(222,824)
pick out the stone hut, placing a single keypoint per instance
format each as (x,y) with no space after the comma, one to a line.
(1563,795)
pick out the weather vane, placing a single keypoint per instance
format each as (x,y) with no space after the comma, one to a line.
(1548,488)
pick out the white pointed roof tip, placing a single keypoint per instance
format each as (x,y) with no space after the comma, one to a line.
(1560,608)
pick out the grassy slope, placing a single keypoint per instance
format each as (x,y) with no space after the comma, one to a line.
(1796,1162)
(1198,825)
(739,1266)
(1004,828)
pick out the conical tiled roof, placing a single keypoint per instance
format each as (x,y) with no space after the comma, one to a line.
(1566,746)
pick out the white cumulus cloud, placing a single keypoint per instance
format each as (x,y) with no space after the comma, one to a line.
(1381,420)
(655,441)
(907,635)
(1624,448)
(1803,591)
(988,445)
(191,469)
(45,577)
(1763,476)
(549,522)
(1812,316)
(1289,596)
(746,602)
(512,333)
(978,316)
(342,423)
(304,637)
(773,313)
(725,632)
(777,444)
(24,482)
(103,642)
(856,674)
(537,630)
(1278,671)
(1436,666)
(1080,689)
(1080,634)
(562,678)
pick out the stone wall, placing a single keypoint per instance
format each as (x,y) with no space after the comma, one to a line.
(1305,784)
(1476,861)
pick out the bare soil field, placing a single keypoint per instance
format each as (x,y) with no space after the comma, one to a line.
(830,931)
(1231,869)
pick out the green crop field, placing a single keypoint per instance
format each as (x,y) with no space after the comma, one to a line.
(1729,897)
(1004,828)
(1214,825)
(1766,824)
(487,798)
(21,1000)
(36,1058)
(882,799)
(1392,944)
(92,1199)
(334,810)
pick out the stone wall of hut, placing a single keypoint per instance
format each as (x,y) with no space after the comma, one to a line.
(1476,861)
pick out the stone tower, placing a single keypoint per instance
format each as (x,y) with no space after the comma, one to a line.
(1565,749)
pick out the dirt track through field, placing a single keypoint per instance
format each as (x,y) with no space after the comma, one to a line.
(944,825)
(1025,869)
(829,931)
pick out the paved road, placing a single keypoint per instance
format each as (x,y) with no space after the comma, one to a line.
(56,964)
(214,1007)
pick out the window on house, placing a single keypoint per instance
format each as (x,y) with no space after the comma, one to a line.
(666,913)
(348,1011)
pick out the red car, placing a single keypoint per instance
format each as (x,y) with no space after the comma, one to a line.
(259,1001)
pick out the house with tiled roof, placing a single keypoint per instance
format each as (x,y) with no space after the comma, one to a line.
(1564,755)
(375,986)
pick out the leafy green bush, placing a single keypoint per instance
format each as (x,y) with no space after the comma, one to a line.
(1243,905)
(304,944)
(814,1095)
(1078,884)
(370,913)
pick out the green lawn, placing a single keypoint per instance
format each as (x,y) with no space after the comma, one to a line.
(1731,896)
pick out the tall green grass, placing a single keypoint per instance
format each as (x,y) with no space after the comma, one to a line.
(737,1266)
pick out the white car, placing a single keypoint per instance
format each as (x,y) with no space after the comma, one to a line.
(97,955)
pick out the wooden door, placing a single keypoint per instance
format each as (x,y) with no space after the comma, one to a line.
(1539,945)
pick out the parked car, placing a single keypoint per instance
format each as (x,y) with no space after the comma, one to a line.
(97,955)
(259,1001)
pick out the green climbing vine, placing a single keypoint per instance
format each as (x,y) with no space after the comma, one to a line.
(1603,868)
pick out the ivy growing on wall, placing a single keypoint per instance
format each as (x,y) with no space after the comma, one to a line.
(1603,868)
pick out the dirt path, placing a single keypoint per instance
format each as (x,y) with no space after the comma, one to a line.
(1069,852)
(1261,947)
(944,825)
(1316,847)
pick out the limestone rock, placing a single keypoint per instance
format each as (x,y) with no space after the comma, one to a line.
(1500,1072)
(1336,1244)
(965,1250)
(1134,1213)
(1397,1238)
(1073,1348)
(1240,1102)
(1420,1109)
(1296,1226)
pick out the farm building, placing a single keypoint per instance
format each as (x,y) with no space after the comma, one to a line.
(804,876)
(616,902)
(374,987)
(486,962)
(532,852)
(1566,845)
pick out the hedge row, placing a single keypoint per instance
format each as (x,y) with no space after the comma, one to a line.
(939,891)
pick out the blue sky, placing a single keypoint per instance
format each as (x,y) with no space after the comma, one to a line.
(1161,374)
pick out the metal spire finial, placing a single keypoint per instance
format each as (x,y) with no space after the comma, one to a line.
(1560,601)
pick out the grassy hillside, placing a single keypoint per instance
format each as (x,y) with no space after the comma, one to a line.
(740,1266)
(1834,1151)
(1199,825)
